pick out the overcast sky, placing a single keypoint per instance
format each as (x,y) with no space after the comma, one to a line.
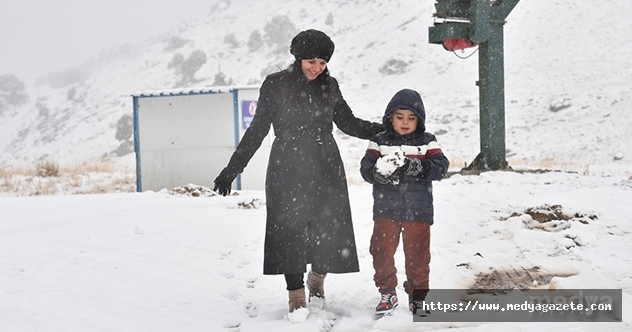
(40,36)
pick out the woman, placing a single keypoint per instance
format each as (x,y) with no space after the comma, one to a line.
(308,213)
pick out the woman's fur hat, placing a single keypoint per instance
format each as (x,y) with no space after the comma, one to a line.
(310,44)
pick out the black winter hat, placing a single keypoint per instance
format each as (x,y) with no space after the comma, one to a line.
(310,44)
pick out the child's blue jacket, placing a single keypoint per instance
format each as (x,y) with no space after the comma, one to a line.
(411,198)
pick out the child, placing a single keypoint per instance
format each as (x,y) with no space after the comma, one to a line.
(401,163)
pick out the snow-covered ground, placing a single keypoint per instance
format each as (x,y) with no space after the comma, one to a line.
(161,261)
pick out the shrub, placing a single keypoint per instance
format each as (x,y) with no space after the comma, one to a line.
(124,128)
(393,67)
(43,110)
(47,169)
(10,83)
(231,40)
(330,19)
(11,91)
(186,68)
(220,80)
(174,43)
(279,31)
(255,41)
(75,95)
(125,148)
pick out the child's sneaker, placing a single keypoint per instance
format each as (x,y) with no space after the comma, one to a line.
(388,302)
(416,304)
(417,308)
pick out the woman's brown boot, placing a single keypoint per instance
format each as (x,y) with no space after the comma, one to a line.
(316,284)
(297,299)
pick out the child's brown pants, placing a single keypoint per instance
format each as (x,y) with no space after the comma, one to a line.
(384,242)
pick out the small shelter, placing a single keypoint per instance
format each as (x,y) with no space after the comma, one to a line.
(187,137)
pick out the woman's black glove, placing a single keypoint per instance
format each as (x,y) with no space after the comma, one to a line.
(224,181)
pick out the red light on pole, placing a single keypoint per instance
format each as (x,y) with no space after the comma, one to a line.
(457,44)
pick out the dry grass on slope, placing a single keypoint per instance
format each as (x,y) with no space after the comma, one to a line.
(48,178)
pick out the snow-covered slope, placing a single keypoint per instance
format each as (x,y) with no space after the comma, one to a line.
(560,54)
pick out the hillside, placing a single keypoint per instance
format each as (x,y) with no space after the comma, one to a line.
(567,97)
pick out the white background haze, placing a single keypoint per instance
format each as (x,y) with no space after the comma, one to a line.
(38,37)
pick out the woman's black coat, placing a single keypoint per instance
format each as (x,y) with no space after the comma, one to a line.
(308,212)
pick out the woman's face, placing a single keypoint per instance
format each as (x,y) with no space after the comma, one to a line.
(404,121)
(313,67)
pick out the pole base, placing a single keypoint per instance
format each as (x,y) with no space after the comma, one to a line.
(483,163)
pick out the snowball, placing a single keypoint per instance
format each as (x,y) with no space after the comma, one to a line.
(387,164)
(299,315)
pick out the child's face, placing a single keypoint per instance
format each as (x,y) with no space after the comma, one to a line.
(404,121)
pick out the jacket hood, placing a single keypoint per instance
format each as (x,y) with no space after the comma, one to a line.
(406,99)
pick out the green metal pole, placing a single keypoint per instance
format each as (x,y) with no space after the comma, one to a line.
(492,101)
(485,28)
